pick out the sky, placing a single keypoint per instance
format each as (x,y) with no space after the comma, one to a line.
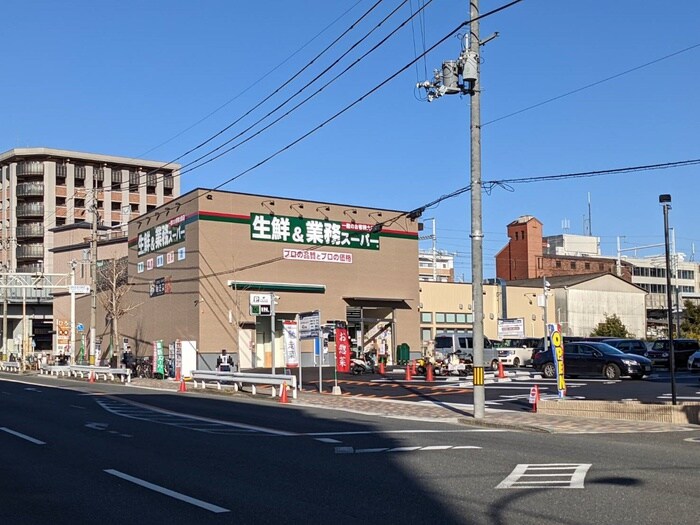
(153,79)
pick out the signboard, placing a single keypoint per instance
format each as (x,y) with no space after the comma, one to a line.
(62,335)
(261,309)
(160,286)
(292,254)
(310,325)
(79,288)
(260,298)
(342,347)
(79,327)
(158,358)
(291,352)
(161,236)
(557,345)
(298,230)
(511,328)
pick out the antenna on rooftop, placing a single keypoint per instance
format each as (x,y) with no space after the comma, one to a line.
(565,225)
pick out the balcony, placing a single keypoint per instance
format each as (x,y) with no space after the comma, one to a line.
(30,209)
(30,268)
(30,251)
(33,167)
(32,229)
(30,189)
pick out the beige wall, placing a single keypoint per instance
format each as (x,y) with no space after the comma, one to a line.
(219,249)
(456,298)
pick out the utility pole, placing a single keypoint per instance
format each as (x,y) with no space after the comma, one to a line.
(73,354)
(93,277)
(4,311)
(461,76)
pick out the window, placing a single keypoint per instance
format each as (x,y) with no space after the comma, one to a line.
(450,318)
(461,318)
(601,266)
(557,264)
(587,266)
(426,317)
(439,317)
(133,181)
(573,265)
(426,334)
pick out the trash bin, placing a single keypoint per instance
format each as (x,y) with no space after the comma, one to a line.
(403,354)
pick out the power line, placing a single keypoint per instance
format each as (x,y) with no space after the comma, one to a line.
(255,83)
(590,85)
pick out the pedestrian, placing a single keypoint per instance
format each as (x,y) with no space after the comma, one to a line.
(224,363)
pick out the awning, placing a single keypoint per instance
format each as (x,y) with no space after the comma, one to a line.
(248,286)
(393,302)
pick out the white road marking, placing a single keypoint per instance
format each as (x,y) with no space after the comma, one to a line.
(693,440)
(97,426)
(76,406)
(23,436)
(177,495)
(429,448)
(421,431)
(328,440)
(523,474)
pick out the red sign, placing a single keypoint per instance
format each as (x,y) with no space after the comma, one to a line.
(342,350)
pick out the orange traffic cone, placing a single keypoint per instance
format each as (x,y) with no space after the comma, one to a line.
(413,367)
(408,373)
(501,372)
(283,394)
(92,377)
(183,386)
(429,373)
(381,367)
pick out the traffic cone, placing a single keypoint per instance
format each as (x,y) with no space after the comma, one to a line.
(408,373)
(413,367)
(92,377)
(183,386)
(501,372)
(381,367)
(429,372)
(283,394)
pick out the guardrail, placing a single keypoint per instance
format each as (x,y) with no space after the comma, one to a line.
(10,366)
(104,371)
(55,370)
(238,379)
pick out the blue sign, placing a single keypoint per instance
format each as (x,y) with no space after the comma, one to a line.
(79,327)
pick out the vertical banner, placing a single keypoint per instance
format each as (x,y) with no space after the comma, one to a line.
(178,359)
(557,344)
(342,348)
(158,367)
(291,350)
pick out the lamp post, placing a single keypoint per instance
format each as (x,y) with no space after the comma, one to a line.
(665,201)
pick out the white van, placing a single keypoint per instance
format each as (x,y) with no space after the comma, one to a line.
(447,343)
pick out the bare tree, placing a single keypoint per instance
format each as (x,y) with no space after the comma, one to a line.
(113,289)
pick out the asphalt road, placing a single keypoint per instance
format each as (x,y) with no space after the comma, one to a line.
(512,395)
(93,453)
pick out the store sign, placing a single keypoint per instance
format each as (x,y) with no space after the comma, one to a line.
(310,325)
(511,328)
(291,350)
(298,230)
(342,348)
(557,343)
(161,286)
(161,236)
(291,254)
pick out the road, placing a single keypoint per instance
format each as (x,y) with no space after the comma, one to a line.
(81,453)
(512,394)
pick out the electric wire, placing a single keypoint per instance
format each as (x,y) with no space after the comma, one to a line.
(578,90)
(252,84)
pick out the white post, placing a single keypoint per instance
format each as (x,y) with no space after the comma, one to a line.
(72,313)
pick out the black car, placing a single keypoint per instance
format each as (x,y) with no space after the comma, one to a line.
(628,346)
(593,358)
(682,350)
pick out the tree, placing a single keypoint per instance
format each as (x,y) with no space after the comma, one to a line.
(611,327)
(690,326)
(113,287)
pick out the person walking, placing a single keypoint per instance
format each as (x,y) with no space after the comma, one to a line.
(224,363)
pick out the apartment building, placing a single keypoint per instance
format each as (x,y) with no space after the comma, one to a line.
(43,188)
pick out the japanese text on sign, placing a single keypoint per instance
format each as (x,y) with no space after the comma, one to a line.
(316,256)
(298,230)
(161,236)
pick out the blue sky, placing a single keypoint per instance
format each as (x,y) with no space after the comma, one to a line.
(138,78)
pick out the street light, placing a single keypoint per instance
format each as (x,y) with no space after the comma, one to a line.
(665,201)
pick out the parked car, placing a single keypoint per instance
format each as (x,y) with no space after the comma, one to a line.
(682,350)
(593,358)
(628,346)
(462,345)
(694,362)
(518,352)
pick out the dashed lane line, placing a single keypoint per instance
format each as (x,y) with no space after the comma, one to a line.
(376,450)
(22,436)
